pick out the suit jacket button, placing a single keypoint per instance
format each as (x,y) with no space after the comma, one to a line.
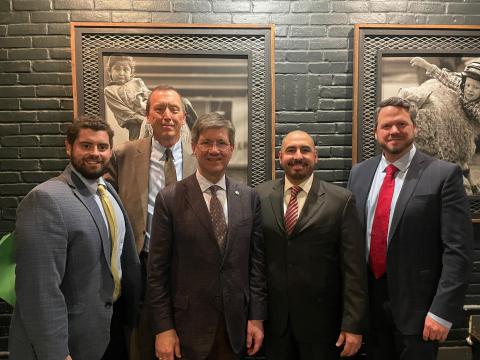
(108,304)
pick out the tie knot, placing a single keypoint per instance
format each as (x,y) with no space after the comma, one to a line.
(214,189)
(102,190)
(391,170)
(168,154)
(294,190)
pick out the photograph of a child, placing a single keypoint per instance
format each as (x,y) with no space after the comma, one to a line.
(126,95)
(446,91)
(207,84)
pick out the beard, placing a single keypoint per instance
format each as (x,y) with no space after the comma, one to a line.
(83,168)
(301,175)
(398,149)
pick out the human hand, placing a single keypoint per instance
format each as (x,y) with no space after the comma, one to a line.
(68,357)
(254,336)
(167,345)
(351,343)
(433,330)
(420,62)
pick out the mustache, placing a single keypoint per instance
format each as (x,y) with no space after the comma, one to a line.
(296,162)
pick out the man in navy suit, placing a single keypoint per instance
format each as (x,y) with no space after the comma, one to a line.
(206,268)
(415,215)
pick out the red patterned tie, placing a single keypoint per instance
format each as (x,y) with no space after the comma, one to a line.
(378,236)
(291,215)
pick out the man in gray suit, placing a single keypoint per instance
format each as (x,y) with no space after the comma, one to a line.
(138,170)
(415,217)
(76,260)
(206,270)
(317,293)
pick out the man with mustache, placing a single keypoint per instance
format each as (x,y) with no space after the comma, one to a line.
(416,220)
(315,266)
(77,274)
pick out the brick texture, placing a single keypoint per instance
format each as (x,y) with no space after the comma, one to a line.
(314,61)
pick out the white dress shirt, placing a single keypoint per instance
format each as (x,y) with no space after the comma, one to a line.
(221,193)
(156,178)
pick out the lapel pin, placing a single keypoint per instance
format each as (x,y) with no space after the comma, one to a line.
(237,192)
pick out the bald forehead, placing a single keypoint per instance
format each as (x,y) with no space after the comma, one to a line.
(297,136)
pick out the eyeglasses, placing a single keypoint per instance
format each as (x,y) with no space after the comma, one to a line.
(208,145)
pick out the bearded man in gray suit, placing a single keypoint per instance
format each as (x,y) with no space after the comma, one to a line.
(78,274)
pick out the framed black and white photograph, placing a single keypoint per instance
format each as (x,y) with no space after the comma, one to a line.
(226,69)
(423,64)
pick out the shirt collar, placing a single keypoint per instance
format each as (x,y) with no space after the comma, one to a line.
(401,164)
(305,184)
(91,184)
(205,184)
(158,150)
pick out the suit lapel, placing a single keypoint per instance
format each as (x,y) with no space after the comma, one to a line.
(140,172)
(83,194)
(195,199)
(276,202)
(414,174)
(361,192)
(313,203)
(235,212)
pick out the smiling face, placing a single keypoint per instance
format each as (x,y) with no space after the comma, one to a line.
(166,115)
(298,156)
(121,72)
(213,151)
(395,132)
(471,91)
(90,153)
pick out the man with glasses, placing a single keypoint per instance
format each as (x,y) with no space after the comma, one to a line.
(206,270)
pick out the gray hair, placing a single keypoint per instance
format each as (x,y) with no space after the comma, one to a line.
(212,120)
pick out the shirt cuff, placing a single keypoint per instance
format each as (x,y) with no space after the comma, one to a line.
(441,321)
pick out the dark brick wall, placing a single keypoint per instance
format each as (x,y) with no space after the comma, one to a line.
(314,53)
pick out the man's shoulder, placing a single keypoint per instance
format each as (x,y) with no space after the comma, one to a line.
(133,146)
(333,190)
(267,187)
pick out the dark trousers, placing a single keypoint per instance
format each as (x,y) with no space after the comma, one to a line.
(287,347)
(384,340)
(117,348)
(143,337)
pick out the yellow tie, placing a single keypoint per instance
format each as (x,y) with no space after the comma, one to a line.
(110,214)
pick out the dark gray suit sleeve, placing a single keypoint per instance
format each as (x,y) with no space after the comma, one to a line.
(354,270)
(41,239)
(457,240)
(159,264)
(258,282)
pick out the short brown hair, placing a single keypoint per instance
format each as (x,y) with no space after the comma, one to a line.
(93,122)
(397,102)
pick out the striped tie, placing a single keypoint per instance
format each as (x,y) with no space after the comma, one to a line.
(110,215)
(291,215)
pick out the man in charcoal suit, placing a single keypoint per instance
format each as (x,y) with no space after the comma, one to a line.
(415,216)
(315,269)
(138,170)
(206,277)
(76,259)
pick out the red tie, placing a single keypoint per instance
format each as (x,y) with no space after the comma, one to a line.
(378,236)
(291,215)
